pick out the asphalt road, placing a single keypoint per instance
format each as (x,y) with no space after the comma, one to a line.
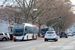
(39,44)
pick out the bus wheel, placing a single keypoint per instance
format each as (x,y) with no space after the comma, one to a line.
(27,37)
(33,37)
(23,39)
(14,40)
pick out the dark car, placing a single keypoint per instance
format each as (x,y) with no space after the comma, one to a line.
(63,34)
(73,33)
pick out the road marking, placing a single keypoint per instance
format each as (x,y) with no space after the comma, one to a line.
(33,49)
(41,46)
(48,44)
(53,42)
(67,47)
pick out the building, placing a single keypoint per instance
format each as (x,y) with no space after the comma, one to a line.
(3,26)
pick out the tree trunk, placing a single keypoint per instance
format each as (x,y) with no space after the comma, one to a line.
(39,28)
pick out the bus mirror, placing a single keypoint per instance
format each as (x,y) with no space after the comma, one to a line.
(25,32)
(25,28)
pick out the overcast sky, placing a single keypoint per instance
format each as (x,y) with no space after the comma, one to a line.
(73,2)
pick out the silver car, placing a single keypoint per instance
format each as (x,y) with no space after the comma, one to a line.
(70,34)
(50,35)
(3,36)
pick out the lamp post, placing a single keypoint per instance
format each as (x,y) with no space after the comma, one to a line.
(34,10)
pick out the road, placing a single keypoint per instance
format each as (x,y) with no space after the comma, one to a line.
(39,44)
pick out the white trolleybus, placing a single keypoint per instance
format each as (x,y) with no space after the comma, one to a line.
(25,31)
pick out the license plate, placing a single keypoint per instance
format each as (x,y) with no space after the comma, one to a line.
(49,35)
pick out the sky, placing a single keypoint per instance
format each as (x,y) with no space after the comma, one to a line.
(73,2)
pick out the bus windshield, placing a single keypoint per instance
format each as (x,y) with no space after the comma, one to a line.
(19,31)
(43,31)
(28,29)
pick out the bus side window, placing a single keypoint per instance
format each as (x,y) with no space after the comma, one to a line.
(35,30)
(25,30)
(29,29)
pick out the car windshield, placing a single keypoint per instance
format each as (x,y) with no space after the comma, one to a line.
(62,32)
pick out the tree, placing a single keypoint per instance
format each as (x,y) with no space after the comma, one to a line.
(46,9)
(60,8)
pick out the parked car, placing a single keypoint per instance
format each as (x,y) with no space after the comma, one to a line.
(63,34)
(3,36)
(70,34)
(73,33)
(58,33)
(50,35)
(7,34)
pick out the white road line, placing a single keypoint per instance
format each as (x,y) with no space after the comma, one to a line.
(69,46)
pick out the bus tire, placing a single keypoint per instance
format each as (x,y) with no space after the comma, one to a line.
(14,40)
(27,37)
(32,37)
(22,38)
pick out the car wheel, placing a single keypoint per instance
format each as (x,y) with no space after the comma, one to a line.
(60,37)
(4,39)
(56,40)
(45,39)
(66,37)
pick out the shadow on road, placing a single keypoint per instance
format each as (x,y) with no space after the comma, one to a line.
(23,40)
(16,41)
(50,41)
(5,41)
